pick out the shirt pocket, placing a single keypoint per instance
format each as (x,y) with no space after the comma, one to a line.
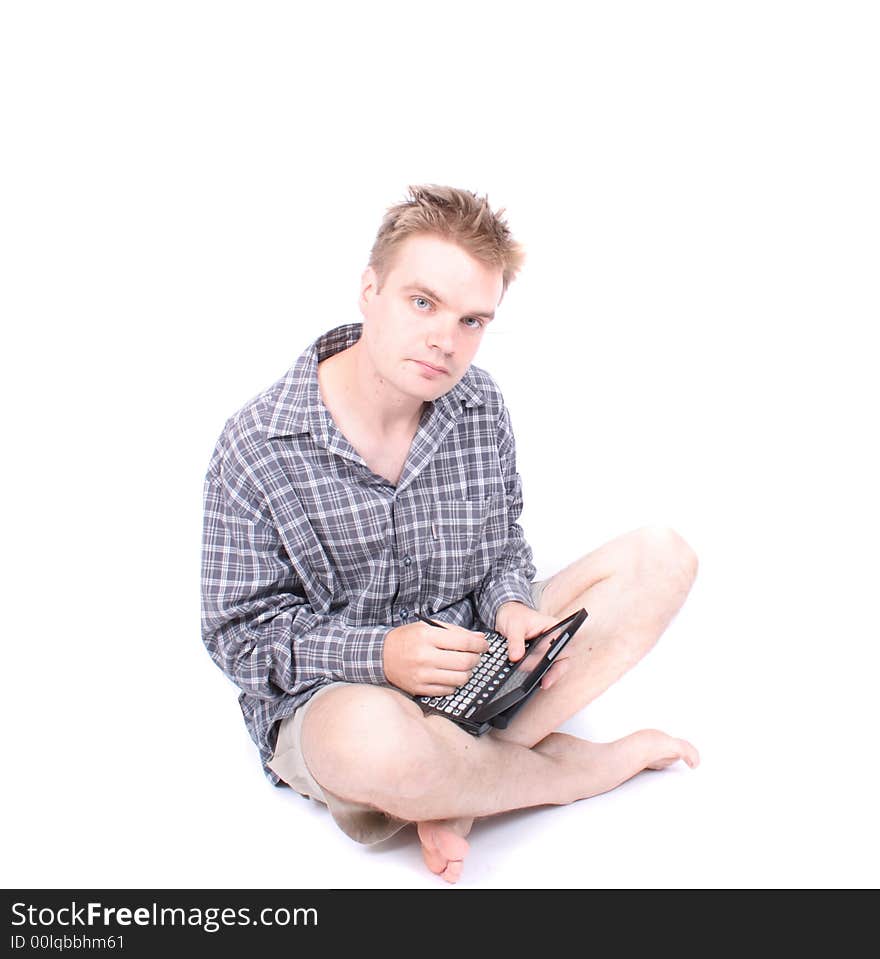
(493,540)
(456,534)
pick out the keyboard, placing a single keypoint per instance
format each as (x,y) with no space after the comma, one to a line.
(492,670)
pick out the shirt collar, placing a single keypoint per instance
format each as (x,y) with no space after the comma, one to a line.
(299,408)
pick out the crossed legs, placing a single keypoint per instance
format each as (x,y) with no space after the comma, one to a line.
(425,769)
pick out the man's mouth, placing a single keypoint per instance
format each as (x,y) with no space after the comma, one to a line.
(430,367)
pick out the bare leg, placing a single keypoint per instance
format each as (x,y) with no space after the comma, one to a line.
(371,745)
(632,588)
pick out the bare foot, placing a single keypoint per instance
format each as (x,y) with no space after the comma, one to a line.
(588,768)
(444,846)
(599,767)
(664,750)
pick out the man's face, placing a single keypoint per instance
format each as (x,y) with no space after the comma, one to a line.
(422,330)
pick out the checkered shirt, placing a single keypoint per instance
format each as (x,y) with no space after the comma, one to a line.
(309,558)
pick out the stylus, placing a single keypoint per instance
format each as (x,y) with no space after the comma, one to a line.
(430,622)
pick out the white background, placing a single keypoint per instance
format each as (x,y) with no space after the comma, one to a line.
(189,194)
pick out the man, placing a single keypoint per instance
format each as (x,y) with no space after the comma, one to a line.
(374,483)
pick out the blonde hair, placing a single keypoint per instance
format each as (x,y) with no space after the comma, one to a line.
(459,216)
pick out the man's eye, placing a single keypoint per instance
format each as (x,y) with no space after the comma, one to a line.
(472,322)
(419,300)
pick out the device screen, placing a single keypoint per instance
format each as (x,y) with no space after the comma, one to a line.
(536,650)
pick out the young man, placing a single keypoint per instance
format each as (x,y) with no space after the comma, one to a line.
(377,482)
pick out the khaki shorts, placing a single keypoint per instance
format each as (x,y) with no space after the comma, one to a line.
(359,821)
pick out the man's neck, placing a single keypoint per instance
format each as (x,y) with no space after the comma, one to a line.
(351,387)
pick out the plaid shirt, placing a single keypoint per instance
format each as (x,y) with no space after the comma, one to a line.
(309,558)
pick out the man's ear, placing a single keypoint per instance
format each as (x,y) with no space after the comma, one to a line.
(369,287)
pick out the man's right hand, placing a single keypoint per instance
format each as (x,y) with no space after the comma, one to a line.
(425,660)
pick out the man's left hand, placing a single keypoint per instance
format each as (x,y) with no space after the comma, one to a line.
(517,623)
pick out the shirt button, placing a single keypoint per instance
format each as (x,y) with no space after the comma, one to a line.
(404,613)
(406,560)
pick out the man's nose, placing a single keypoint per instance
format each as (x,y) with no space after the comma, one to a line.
(443,334)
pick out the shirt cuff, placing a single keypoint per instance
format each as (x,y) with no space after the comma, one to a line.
(513,587)
(360,655)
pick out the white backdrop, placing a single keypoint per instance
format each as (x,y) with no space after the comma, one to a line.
(189,194)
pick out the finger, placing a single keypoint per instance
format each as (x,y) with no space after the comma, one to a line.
(554,674)
(450,678)
(516,648)
(461,662)
(536,628)
(433,689)
(461,640)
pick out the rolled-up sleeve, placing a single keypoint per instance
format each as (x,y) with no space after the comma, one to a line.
(256,622)
(511,575)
